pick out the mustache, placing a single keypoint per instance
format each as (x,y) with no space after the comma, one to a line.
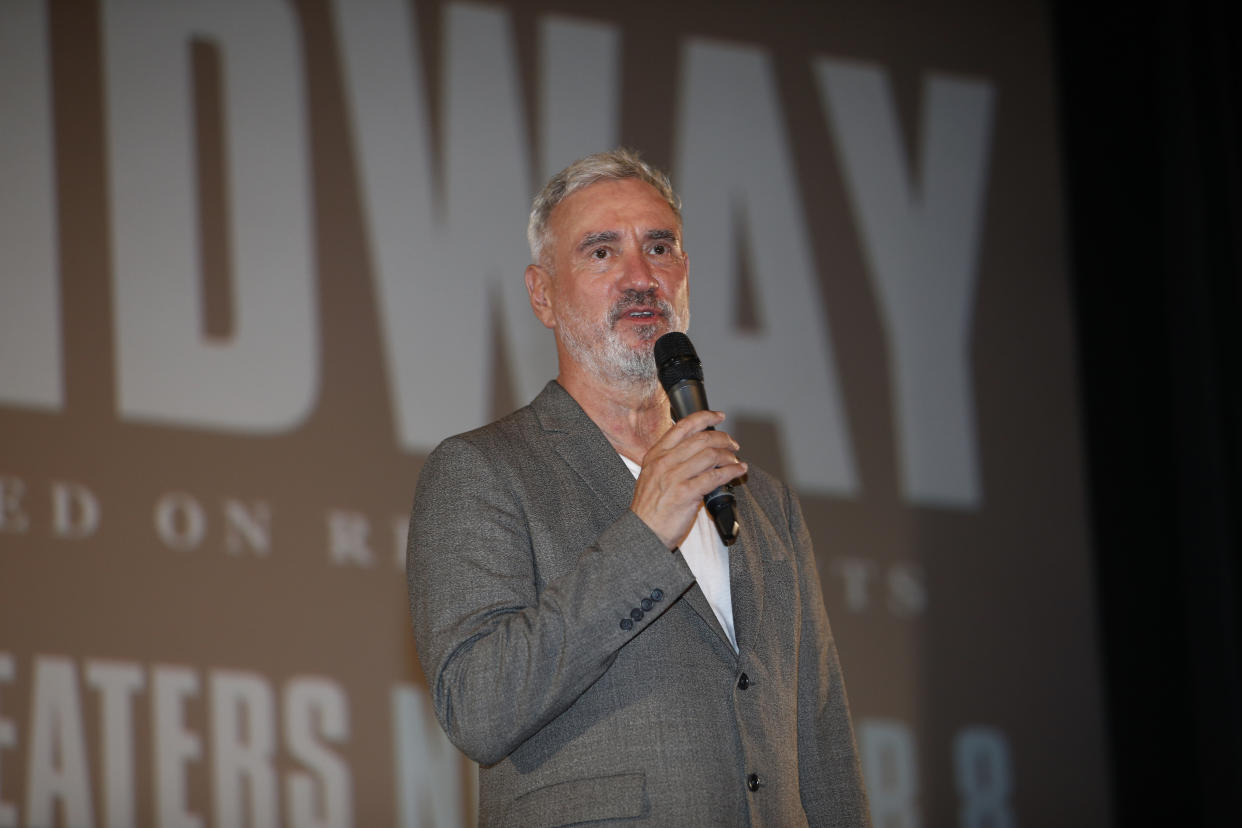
(639,299)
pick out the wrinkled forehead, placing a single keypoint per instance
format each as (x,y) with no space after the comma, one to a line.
(613,207)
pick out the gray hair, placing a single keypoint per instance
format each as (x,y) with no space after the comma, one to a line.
(613,165)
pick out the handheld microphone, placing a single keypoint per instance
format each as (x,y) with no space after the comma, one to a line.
(681,374)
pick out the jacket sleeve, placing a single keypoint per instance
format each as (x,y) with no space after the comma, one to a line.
(830,777)
(501,660)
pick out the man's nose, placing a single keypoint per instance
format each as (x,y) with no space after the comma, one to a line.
(638,274)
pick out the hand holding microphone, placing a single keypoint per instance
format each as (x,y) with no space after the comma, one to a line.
(692,463)
(681,374)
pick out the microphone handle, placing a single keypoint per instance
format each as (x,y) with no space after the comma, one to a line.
(685,398)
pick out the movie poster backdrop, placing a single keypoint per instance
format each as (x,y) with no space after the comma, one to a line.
(257,258)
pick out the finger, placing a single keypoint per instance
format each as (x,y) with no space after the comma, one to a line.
(695,449)
(718,476)
(708,457)
(698,421)
(693,489)
(687,469)
(691,432)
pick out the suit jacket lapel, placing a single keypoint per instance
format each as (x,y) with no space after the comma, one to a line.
(579,441)
(743,577)
(695,598)
(743,581)
(584,447)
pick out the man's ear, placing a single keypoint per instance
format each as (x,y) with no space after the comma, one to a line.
(539,288)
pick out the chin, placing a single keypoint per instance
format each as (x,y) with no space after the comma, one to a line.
(647,333)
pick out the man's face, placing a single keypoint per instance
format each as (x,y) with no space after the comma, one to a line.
(617,278)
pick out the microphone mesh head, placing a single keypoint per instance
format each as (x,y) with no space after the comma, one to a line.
(676,360)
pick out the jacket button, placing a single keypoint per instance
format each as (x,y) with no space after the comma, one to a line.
(657,594)
(627,624)
(753,782)
(646,604)
(743,682)
(636,614)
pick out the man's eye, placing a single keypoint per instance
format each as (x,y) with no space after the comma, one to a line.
(659,249)
(600,253)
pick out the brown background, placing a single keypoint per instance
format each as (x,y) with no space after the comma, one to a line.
(1007,639)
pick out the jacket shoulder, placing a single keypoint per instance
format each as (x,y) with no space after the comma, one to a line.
(512,432)
(771,495)
(497,436)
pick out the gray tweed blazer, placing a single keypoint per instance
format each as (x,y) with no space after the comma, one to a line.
(575,659)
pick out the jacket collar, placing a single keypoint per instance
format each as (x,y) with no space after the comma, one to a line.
(582,445)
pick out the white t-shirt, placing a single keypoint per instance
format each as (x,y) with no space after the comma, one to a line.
(708,559)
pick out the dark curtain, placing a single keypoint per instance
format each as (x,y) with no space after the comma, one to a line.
(1150,105)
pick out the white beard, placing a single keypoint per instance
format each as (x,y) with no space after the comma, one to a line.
(601,349)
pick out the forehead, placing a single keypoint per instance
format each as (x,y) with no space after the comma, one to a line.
(611,205)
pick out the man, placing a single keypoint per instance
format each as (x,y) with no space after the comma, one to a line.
(587,637)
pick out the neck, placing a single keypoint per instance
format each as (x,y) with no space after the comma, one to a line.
(632,415)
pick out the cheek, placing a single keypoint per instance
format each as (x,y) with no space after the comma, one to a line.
(584,303)
(678,287)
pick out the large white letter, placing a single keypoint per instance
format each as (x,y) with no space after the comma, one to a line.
(175,745)
(30,355)
(316,707)
(428,768)
(984,773)
(447,268)
(241,761)
(579,84)
(57,767)
(265,377)
(432,270)
(921,240)
(117,681)
(891,770)
(736,177)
